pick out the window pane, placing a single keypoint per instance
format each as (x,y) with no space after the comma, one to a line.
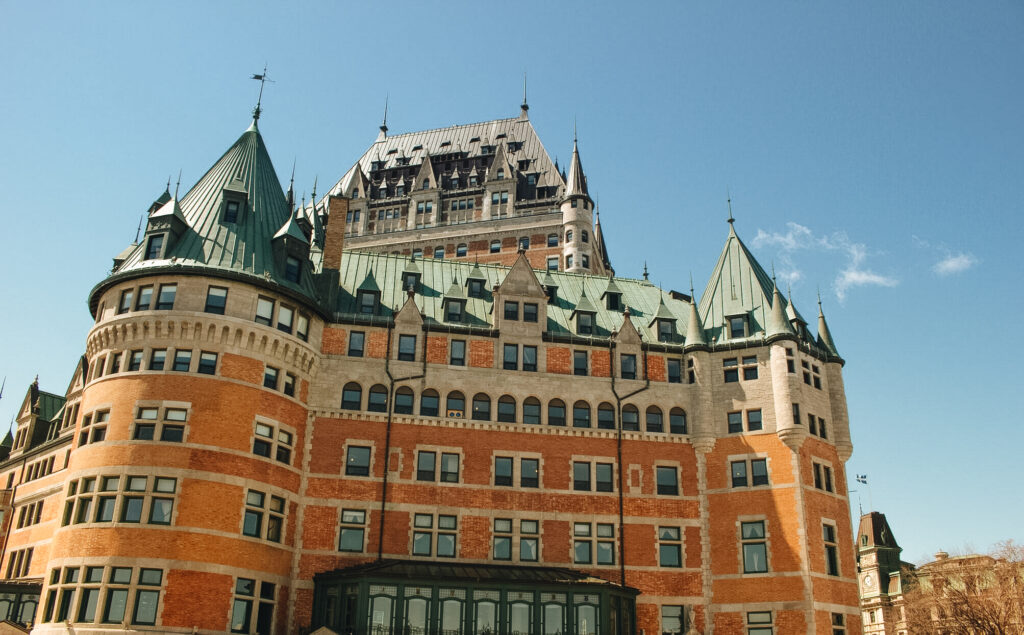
(145,607)
(117,601)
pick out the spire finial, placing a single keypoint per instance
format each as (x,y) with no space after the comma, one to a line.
(728,201)
(312,196)
(139,229)
(292,181)
(691,286)
(773,273)
(168,188)
(819,301)
(177,185)
(645,270)
(525,107)
(259,100)
(574,131)
(384,124)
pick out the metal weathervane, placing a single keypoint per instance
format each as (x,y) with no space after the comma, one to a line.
(263,79)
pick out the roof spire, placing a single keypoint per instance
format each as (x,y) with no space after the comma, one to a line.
(384,124)
(525,107)
(645,270)
(576,183)
(312,196)
(290,196)
(168,188)
(177,185)
(728,201)
(695,337)
(777,322)
(259,100)
(824,335)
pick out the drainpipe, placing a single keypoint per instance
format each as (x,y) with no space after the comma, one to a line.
(392,380)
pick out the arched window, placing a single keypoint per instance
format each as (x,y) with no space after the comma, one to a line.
(430,402)
(481,407)
(677,421)
(378,401)
(531,411)
(495,246)
(581,414)
(585,236)
(568,235)
(507,409)
(352,396)
(630,418)
(552,240)
(404,400)
(455,405)
(606,416)
(439,252)
(556,412)
(461,250)
(654,422)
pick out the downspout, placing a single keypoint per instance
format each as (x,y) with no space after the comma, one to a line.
(392,380)
(618,444)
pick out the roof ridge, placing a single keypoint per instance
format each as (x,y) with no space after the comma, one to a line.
(455,127)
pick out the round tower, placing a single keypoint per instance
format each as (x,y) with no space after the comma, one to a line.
(182,484)
(577,219)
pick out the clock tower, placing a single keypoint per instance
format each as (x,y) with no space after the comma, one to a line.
(880,582)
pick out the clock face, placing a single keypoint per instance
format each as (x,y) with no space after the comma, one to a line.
(869,581)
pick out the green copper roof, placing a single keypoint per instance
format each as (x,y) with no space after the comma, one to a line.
(438,275)
(291,229)
(778,324)
(738,286)
(824,335)
(49,405)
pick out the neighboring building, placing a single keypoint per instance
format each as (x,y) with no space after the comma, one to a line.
(881,577)
(268,433)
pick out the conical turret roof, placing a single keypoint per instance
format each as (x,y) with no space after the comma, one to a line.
(738,286)
(694,329)
(576,182)
(824,335)
(778,325)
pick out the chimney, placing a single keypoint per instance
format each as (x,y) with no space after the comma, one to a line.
(334,239)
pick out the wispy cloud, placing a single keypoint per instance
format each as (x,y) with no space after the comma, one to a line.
(954,263)
(799,238)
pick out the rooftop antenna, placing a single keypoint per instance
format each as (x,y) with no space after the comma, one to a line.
(259,100)
(177,185)
(728,201)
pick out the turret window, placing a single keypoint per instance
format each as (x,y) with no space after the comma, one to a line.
(568,233)
(231,212)
(568,261)
(154,246)
(585,261)
(552,240)
(292,269)
(165,301)
(125,304)
(585,236)
(216,300)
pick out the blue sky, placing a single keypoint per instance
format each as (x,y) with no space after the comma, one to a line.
(872,150)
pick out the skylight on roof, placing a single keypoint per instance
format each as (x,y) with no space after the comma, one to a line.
(393,151)
(417,147)
(475,140)
(445,143)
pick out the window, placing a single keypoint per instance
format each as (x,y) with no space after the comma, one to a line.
(529,473)
(510,357)
(356,341)
(506,409)
(149,426)
(530,358)
(757,469)
(670,547)
(503,471)
(673,620)
(581,414)
(556,412)
(153,246)
(585,323)
(259,505)
(19,563)
(552,240)
(246,600)
(675,375)
(752,542)
(207,363)
(476,288)
(455,405)
(628,366)
(839,624)
(270,377)
(630,418)
(122,585)
(231,212)
(495,246)
(439,252)
(453,311)
(581,476)
(531,406)
(264,311)
(750,367)
(145,298)
(677,421)
(425,536)
(182,361)
(404,401)
(737,327)
(135,361)
(430,403)
(457,355)
(407,348)
(165,301)
(271,441)
(367,301)
(285,317)
(552,263)
(579,363)
(585,261)
(811,374)
(667,478)
(351,396)
(754,421)
(666,330)
(378,399)
(605,416)
(358,461)
(125,304)
(98,430)
(822,477)
(831,549)
(593,543)
(481,407)
(511,310)
(731,370)
(759,623)
(655,422)
(138,497)
(353,530)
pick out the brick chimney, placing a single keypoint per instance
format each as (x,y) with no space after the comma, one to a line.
(334,237)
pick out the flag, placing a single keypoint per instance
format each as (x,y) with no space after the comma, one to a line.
(259,77)
(862,478)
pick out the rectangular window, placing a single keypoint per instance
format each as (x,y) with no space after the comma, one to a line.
(737,327)
(157,358)
(529,312)
(675,375)
(270,378)
(355,343)
(754,420)
(511,357)
(529,473)
(530,358)
(503,471)
(511,310)
(732,373)
(670,547)
(264,311)
(153,246)
(502,547)
(831,549)
(839,624)
(673,620)
(735,422)
(285,317)
(667,480)
(125,304)
(458,353)
(271,442)
(259,507)
(358,461)
(292,269)
(581,476)
(579,363)
(755,551)
(182,361)
(449,468)
(289,384)
(628,366)
(145,298)
(135,361)
(552,263)
(302,327)
(207,363)
(585,323)
(759,623)
(353,530)
(165,301)
(750,367)
(453,311)
(216,300)
(603,474)
(407,348)
(426,466)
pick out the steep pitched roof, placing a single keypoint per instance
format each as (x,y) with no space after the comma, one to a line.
(738,286)
(576,182)
(874,531)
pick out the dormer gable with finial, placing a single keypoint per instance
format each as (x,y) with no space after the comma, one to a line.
(664,323)
(454,304)
(585,316)
(425,178)
(520,305)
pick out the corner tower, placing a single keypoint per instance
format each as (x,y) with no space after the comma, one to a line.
(577,218)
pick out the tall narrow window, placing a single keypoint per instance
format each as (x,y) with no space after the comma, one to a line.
(755,551)
(153,246)
(831,549)
(165,301)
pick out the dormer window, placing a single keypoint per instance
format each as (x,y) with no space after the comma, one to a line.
(367,301)
(455,184)
(383,192)
(292,269)
(472,180)
(231,212)
(154,246)
(501,173)
(400,190)
(355,193)
(737,326)
(453,310)
(613,301)
(426,184)
(585,323)
(410,280)
(666,330)
(476,288)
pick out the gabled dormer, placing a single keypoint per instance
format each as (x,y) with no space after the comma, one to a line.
(425,179)
(234,202)
(368,296)
(163,229)
(411,275)
(500,169)
(519,301)
(454,303)
(585,316)
(612,296)
(291,249)
(476,283)
(664,323)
